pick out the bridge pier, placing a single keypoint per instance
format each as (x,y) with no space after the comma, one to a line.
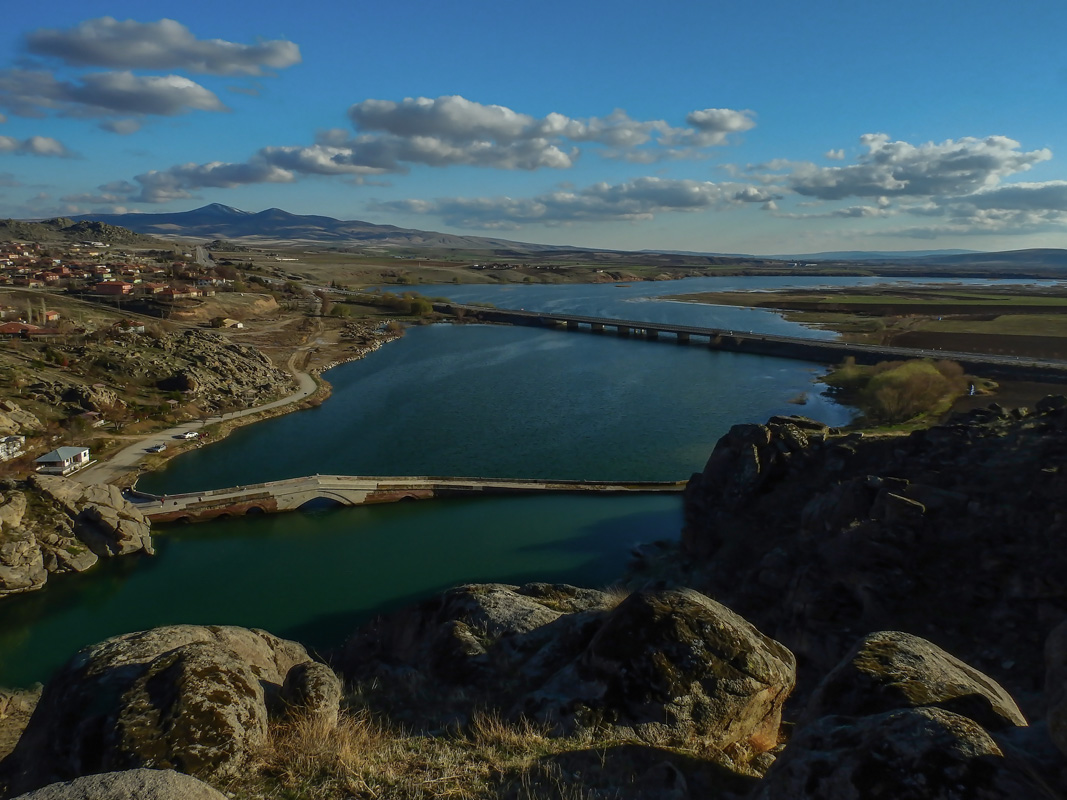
(624,330)
(683,337)
(572,325)
(597,327)
(651,334)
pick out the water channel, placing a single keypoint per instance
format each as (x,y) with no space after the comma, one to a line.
(490,401)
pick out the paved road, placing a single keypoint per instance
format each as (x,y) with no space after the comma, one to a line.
(128,460)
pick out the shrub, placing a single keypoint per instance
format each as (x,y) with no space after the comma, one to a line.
(897,391)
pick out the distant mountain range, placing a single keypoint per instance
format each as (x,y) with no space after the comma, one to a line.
(217,221)
(275,226)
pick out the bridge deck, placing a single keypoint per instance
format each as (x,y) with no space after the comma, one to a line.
(292,493)
(819,350)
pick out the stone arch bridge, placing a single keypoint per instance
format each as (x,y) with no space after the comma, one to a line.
(351,490)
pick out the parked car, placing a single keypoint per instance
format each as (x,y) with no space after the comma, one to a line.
(157,448)
(187,435)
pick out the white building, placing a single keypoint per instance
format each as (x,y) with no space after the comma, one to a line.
(63,460)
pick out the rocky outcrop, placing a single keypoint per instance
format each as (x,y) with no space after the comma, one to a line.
(133,784)
(890,670)
(21,562)
(662,666)
(185,697)
(72,526)
(913,754)
(952,533)
(216,373)
(16,420)
(103,519)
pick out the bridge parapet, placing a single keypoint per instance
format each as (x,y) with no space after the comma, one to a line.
(293,493)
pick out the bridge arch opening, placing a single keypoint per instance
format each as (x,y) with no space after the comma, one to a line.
(321,503)
(254,511)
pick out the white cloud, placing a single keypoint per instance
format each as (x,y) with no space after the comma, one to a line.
(453,130)
(179,182)
(836,155)
(123,127)
(711,126)
(889,168)
(34,146)
(640,199)
(163,45)
(32,92)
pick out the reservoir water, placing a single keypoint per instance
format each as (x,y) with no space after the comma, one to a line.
(490,401)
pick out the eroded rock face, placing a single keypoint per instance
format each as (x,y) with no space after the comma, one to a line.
(835,526)
(134,784)
(914,754)
(187,697)
(663,666)
(103,519)
(891,670)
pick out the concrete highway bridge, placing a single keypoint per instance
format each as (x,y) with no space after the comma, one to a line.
(819,350)
(351,490)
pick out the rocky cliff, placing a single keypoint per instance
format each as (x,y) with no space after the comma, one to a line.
(954,533)
(50,524)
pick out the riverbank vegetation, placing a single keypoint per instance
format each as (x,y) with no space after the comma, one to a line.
(898,391)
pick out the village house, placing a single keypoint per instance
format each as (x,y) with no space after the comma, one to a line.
(63,460)
(113,287)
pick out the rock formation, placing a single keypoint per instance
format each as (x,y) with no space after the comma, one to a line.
(661,666)
(71,527)
(951,533)
(185,697)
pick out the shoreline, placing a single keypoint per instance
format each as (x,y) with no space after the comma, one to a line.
(312,391)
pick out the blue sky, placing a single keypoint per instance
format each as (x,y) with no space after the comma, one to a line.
(773,127)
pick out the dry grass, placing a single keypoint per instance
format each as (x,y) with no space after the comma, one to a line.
(488,758)
(365,758)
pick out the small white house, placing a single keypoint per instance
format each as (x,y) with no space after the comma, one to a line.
(63,460)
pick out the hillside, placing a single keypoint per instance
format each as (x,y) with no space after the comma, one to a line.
(64,229)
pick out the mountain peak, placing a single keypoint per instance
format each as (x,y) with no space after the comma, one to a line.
(220,209)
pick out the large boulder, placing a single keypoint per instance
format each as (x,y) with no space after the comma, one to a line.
(674,666)
(468,633)
(133,784)
(892,670)
(187,697)
(312,689)
(912,754)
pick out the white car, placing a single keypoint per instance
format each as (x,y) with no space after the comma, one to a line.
(157,448)
(187,435)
